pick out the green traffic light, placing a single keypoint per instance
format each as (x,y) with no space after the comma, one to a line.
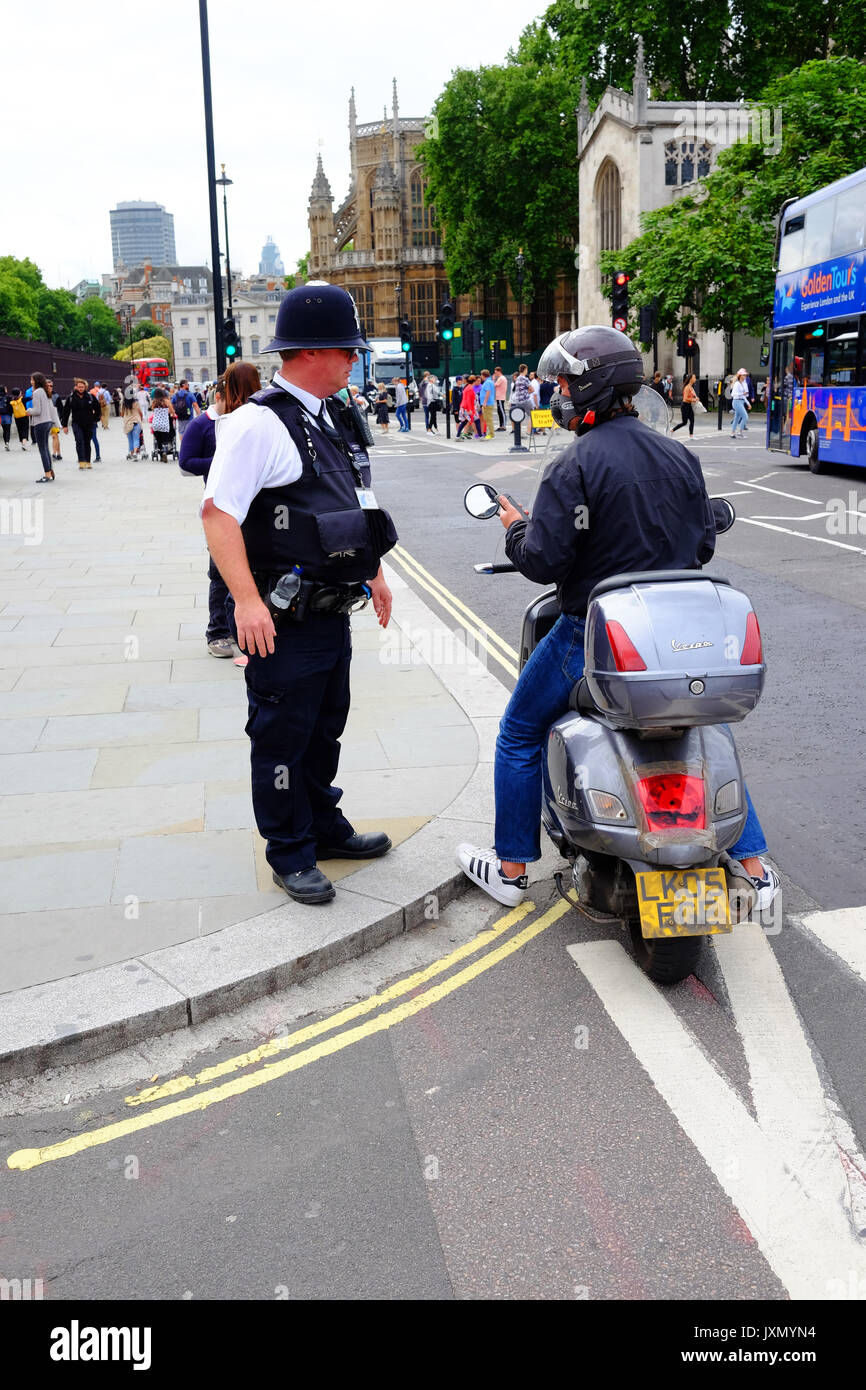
(231,350)
(447,334)
(407,347)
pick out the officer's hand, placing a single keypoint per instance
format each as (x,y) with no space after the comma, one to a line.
(255,627)
(382,599)
(509,514)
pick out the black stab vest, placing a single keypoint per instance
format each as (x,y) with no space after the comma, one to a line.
(316,522)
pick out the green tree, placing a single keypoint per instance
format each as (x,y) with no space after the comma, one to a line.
(104,328)
(157,346)
(712,254)
(713,50)
(302,269)
(501,172)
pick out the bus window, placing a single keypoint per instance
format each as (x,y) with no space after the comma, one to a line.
(791,251)
(811,348)
(819,229)
(849,228)
(842,351)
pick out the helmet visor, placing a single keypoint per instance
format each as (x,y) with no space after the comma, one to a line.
(557,361)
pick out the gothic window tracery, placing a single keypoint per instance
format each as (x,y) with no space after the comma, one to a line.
(686,160)
(422,215)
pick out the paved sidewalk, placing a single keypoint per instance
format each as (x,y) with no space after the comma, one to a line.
(126,828)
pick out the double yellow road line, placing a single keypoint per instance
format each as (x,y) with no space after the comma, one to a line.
(264,1071)
(484,635)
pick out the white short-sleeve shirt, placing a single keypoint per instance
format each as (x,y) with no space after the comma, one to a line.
(254,450)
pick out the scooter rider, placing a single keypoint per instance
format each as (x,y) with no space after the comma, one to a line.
(290,517)
(620,498)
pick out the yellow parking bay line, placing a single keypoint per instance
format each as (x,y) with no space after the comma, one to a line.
(314,1030)
(25,1159)
(400,551)
(445,603)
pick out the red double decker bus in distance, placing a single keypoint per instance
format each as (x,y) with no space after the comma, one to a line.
(150,370)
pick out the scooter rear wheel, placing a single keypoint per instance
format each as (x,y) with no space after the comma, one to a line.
(666,959)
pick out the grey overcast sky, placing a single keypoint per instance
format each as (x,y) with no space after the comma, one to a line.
(102,102)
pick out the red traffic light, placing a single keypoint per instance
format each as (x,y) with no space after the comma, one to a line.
(621,278)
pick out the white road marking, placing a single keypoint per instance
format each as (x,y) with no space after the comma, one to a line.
(794,497)
(761,476)
(789,1099)
(844,932)
(811,516)
(803,535)
(811,1249)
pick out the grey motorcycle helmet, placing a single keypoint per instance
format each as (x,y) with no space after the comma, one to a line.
(600,365)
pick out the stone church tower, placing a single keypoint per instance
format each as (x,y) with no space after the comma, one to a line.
(383,242)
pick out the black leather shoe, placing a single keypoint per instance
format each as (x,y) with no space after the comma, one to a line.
(368,846)
(307,886)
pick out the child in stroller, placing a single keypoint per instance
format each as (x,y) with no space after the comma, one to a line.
(162,426)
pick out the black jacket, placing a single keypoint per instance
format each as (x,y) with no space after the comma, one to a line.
(620,498)
(84,410)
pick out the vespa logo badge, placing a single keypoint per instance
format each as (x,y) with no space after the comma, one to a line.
(689,646)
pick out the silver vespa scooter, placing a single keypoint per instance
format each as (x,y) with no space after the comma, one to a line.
(643,789)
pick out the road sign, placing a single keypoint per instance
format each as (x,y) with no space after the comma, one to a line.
(620,323)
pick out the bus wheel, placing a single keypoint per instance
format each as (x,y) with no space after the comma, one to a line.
(810,449)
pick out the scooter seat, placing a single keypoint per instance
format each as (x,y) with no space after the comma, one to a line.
(581,700)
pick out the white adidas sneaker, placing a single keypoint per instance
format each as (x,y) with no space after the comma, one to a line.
(768,887)
(484,868)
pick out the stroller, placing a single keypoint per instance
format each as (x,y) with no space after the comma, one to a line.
(163,450)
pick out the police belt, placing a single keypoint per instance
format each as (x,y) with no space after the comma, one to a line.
(318,597)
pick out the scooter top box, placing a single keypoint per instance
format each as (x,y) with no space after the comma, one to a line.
(672,649)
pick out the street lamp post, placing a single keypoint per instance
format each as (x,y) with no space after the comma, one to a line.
(521,262)
(90,330)
(225,183)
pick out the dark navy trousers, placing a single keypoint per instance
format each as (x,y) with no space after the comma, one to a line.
(298,705)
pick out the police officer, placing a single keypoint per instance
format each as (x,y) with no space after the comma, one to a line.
(621,498)
(288,499)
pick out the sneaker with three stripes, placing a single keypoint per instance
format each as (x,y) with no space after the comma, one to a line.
(484,868)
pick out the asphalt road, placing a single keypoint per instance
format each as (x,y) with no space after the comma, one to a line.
(524,1116)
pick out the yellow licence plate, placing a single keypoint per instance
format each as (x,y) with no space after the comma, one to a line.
(683,902)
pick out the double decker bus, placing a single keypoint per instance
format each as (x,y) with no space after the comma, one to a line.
(151,371)
(817,397)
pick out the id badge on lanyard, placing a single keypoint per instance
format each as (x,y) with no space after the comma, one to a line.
(367,499)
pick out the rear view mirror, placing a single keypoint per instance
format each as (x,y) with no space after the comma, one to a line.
(724,513)
(481,501)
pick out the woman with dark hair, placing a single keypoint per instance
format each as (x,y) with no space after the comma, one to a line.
(242,380)
(42,419)
(163,414)
(687,408)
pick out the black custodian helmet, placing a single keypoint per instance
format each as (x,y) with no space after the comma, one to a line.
(317,315)
(600,363)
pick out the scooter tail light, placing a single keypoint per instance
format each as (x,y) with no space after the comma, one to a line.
(752,650)
(625,654)
(673,801)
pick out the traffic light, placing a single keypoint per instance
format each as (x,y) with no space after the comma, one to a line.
(231,341)
(685,343)
(471,334)
(619,300)
(405,335)
(446,322)
(646,331)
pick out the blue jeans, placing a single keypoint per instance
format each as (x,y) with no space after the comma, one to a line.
(134,437)
(540,697)
(94,439)
(403,416)
(741,418)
